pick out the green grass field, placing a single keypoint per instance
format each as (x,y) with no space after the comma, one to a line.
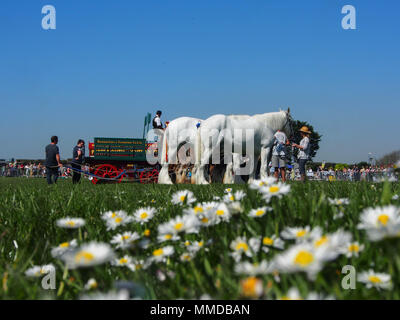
(29,210)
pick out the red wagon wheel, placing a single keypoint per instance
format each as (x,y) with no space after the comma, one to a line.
(107,171)
(149,176)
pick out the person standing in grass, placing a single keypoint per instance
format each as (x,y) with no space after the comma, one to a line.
(279,155)
(304,151)
(52,160)
(78,155)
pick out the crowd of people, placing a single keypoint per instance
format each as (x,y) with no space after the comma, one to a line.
(369,173)
(32,170)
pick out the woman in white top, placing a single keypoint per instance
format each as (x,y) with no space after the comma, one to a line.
(304,151)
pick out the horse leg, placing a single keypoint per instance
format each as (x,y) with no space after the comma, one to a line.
(264,162)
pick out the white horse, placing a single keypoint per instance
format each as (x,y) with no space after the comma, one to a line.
(181,131)
(219,132)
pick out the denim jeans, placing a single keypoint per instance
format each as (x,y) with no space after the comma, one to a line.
(52,172)
(302,166)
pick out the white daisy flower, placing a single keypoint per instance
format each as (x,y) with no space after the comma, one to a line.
(259,212)
(210,205)
(144,215)
(228,190)
(70,223)
(299,234)
(380,222)
(39,271)
(197,209)
(125,261)
(339,201)
(300,257)
(258,184)
(88,255)
(184,197)
(376,280)
(125,240)
(351,249)
(208,218)
(91,284)
(237,196)
(195,246)
(63,248)
(137,264)
(395,197)
(222,213)
(253,269)
(278,190)
(240,246)
(167,235)
(161,254)
(180,224)
(273,242)
(235,207)
(115,219)
(187,256)
(331,243)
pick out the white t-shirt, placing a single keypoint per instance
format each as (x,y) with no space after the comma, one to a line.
(305,152)
(157,120)
(280,138)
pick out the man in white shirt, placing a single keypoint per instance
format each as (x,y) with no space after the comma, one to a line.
(157,124)
(279,155)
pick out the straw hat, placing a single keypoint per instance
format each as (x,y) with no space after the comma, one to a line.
(304,129)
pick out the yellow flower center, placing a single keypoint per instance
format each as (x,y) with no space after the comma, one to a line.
(113,215)
(354,248)
(304,258)
(118,220)
(182,198)
(123,261)
(126,237)
(158,252)
(260,212)
(383,219)
(71,223)
(178,226)
(198,209)
(220,212)
(204,220)
(187,243)
(146,232)
(321,241)
(84,256)
(273,189)
(200,243)
(374,279)
(242,246)
(232,198)
(301,233)
(64,245)
(168,236)
(144,215)
(268,241)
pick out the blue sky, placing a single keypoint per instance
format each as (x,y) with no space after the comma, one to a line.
(108,63)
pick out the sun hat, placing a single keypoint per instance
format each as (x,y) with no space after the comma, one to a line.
(305,130)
